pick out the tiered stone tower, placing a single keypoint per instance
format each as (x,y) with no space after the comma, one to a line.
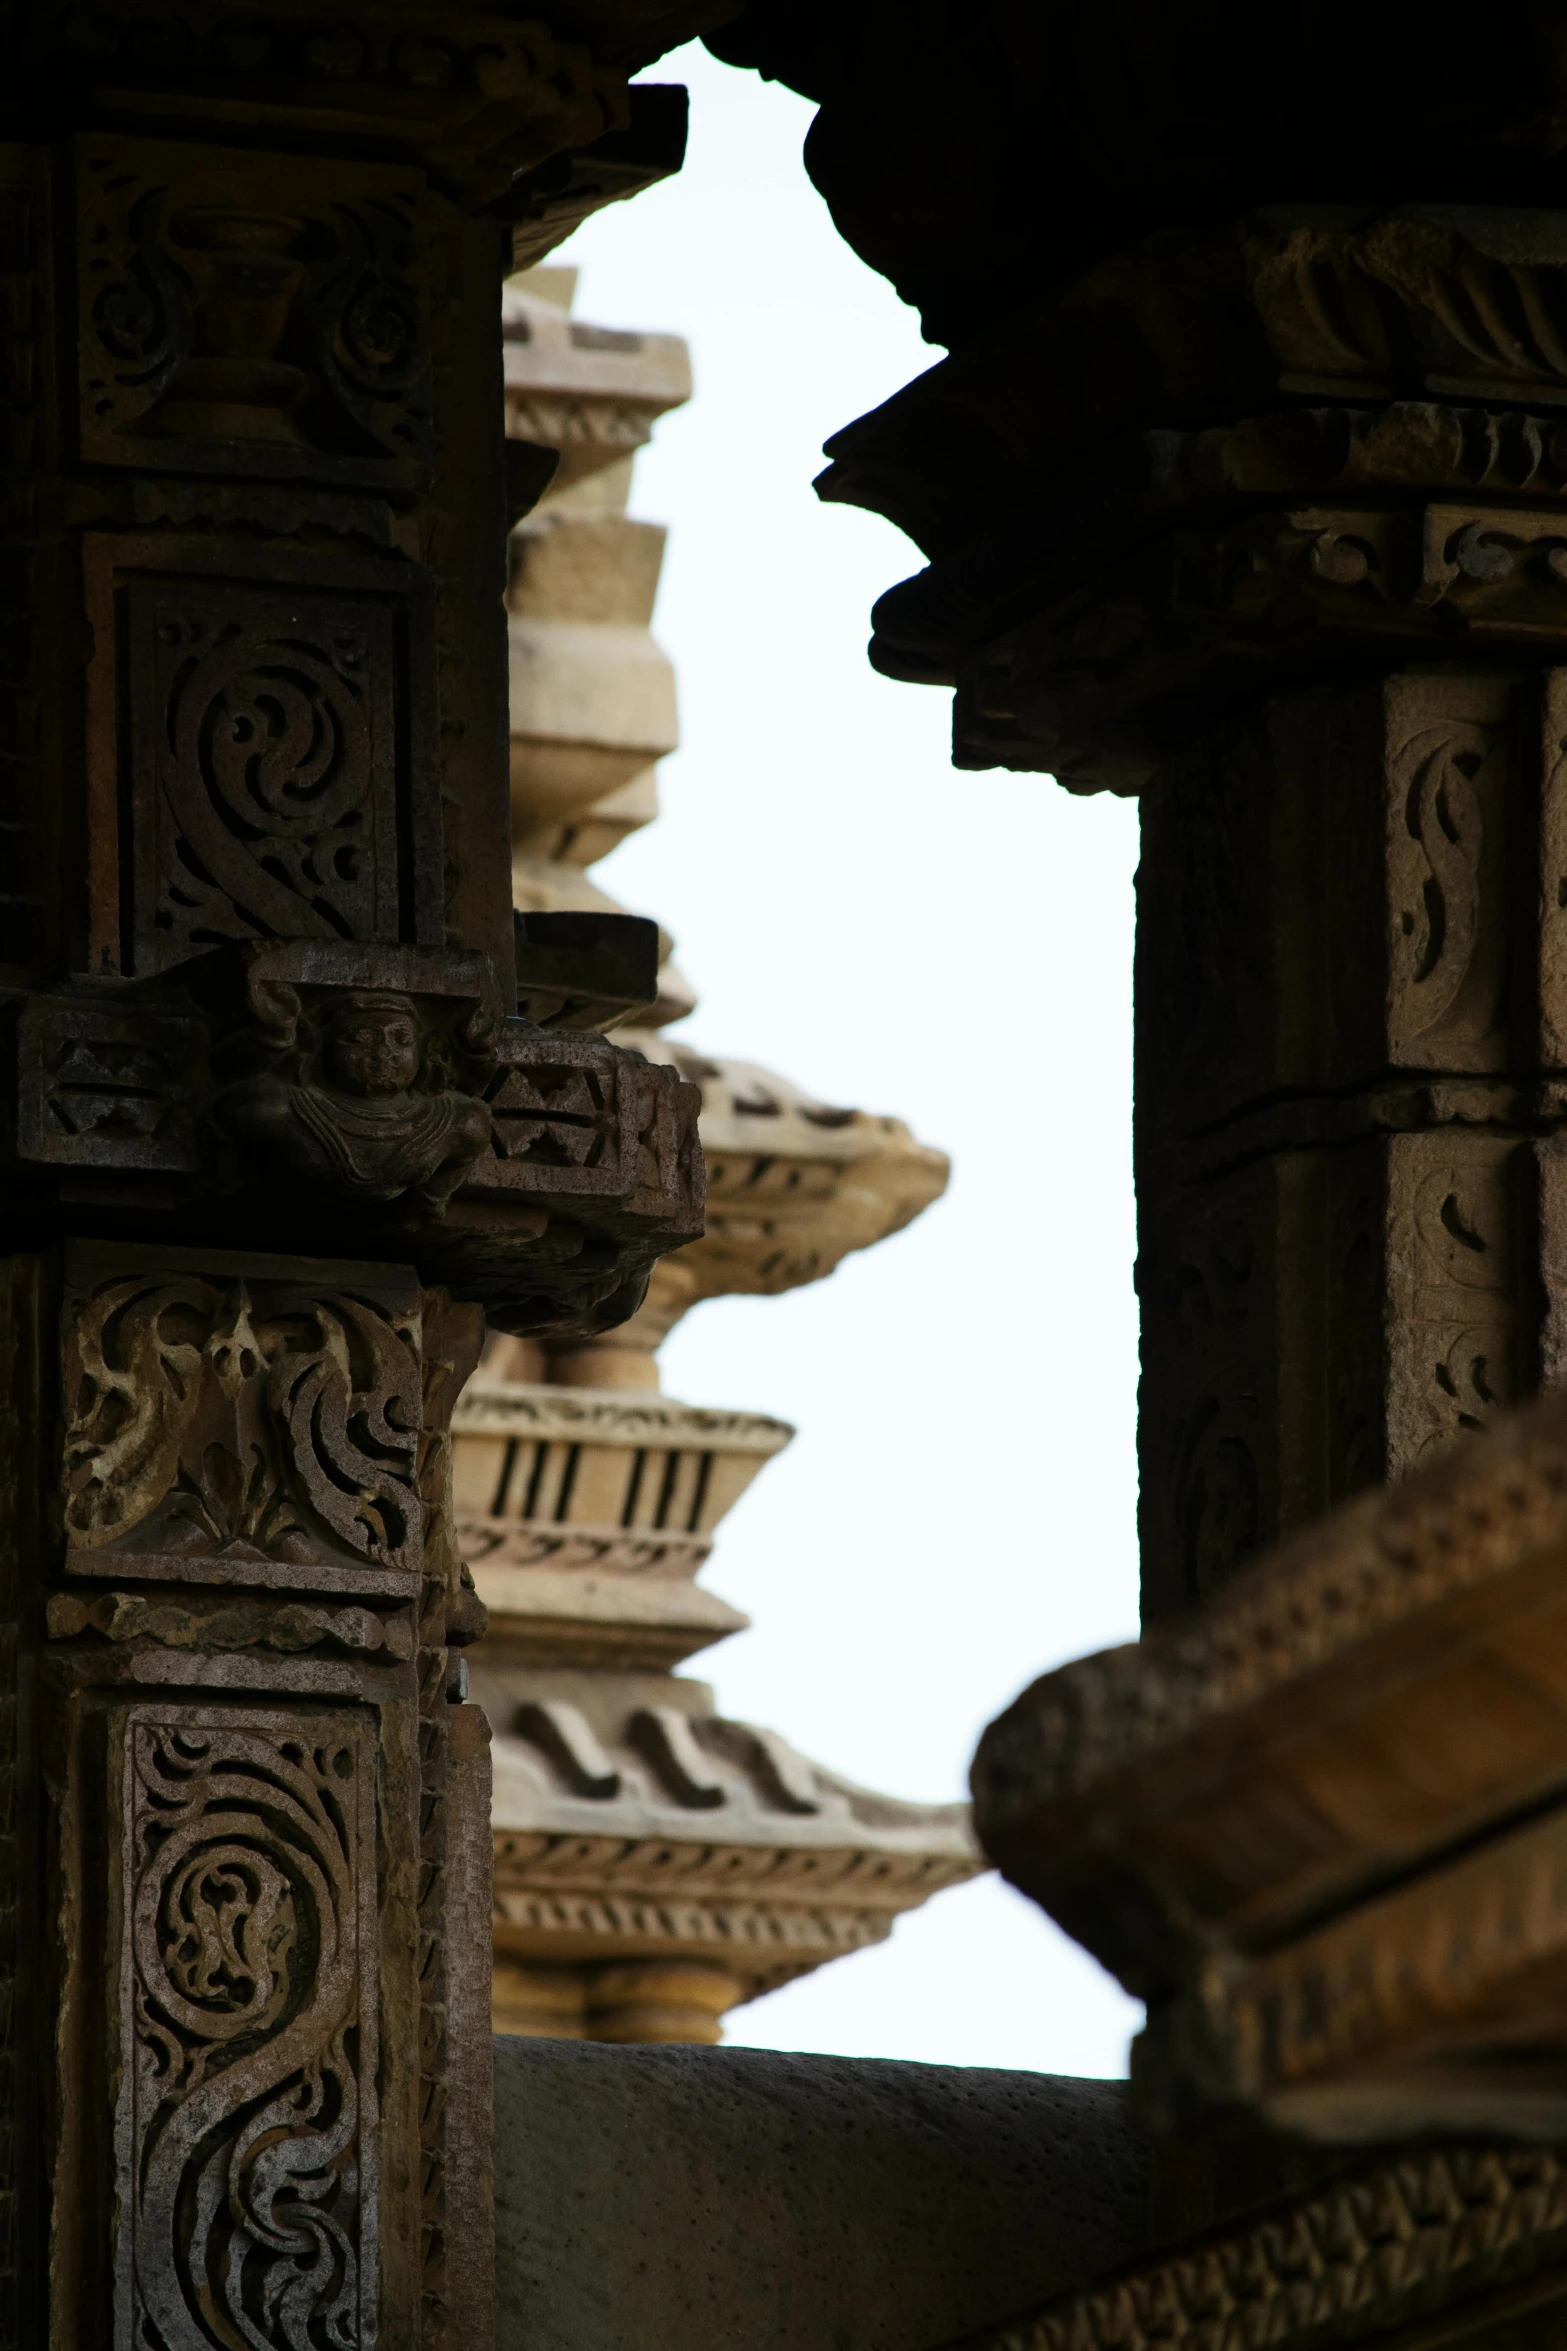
(655,1864)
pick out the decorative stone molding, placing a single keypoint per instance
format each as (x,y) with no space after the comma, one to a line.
(1380,2250)
(1469,301)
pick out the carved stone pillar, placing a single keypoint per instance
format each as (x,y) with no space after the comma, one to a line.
(236,1748)
(277,1138)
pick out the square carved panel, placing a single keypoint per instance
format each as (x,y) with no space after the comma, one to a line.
(252,314)
(250,1421)
(261,751)
(108,1085)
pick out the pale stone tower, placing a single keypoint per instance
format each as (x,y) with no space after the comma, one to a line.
(655,1864)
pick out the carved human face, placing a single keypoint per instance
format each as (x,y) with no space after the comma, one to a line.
(373,1048)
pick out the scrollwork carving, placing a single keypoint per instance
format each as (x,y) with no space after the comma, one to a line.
(1448,786)
(247,2131)
(237,1428)
(219,333)
(1455,1308)
(265,762)
(276,795)
(370,330)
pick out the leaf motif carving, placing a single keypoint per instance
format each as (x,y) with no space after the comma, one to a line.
(258,1420)
(132,1386)
(354,1446)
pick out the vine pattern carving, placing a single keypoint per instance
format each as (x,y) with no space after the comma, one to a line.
(220,333)
(269,720)
(248,1425)
(247,2135)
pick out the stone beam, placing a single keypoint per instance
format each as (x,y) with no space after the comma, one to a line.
(1319,1827)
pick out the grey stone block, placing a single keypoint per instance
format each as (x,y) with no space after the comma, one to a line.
(690,2199)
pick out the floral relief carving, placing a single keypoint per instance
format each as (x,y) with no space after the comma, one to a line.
(247,2134)
(240,1427)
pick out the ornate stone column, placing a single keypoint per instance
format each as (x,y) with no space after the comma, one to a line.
(277,1139)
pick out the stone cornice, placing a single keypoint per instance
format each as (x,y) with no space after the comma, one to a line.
(1320,1827)
(767,1914)
(1486,1512)
(478,97)
(608,1416)
(1374,2251)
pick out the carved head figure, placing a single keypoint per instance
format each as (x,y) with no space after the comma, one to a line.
(373,1046)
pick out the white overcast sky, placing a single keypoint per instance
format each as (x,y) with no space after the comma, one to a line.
(958,1510)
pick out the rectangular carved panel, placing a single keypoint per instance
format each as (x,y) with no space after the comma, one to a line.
(1453,802)
(246,2134)
(241,1420)
(557,1102)
(1458,1339)
(221,330)
(1343,887)
(261,751)
(1316,1322)
(570,1116)
(117,1084)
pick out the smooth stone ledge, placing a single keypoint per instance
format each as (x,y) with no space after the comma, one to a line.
(690,2199)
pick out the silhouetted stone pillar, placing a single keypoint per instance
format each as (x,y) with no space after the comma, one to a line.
(276,1141)
(1308,602)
